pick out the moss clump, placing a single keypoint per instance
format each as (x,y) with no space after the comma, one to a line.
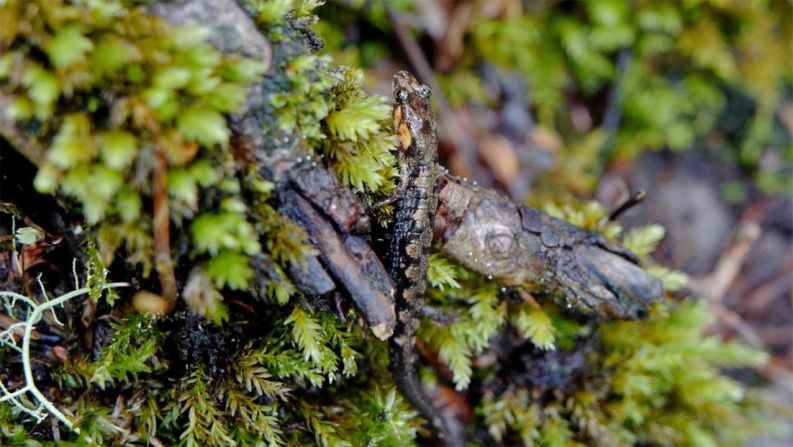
(111,91)
(655,382)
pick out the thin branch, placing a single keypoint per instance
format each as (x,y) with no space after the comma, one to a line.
(524,247)
(345,258)
(632,200)
(716,285)
(741,327)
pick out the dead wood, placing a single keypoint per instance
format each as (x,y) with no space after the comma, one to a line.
(519,246)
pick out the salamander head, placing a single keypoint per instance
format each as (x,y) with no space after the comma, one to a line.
(412,109)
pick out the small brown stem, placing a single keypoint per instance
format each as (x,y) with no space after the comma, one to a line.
(30,148)
(633,200)
(529,299)
(161,229)
(715,285)
(741,327)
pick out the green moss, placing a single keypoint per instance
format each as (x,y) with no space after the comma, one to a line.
(170,90)
(652,381)
(130,352)
(360,140)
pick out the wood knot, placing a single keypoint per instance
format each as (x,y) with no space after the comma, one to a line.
(500,245)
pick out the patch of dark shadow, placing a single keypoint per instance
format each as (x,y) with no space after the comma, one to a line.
(195,340)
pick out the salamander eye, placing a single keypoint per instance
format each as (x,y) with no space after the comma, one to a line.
(425,92)
(401,96)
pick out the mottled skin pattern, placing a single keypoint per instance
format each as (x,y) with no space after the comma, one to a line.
(415,201)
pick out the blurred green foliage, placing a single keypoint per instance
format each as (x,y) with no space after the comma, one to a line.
(682,73)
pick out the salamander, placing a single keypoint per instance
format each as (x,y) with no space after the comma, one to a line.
(415,200)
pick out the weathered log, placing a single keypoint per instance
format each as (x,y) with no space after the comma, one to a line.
(520,246)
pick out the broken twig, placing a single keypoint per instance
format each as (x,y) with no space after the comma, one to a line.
(519,246)
(371,298)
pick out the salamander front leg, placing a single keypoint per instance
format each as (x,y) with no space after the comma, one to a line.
(400,189)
